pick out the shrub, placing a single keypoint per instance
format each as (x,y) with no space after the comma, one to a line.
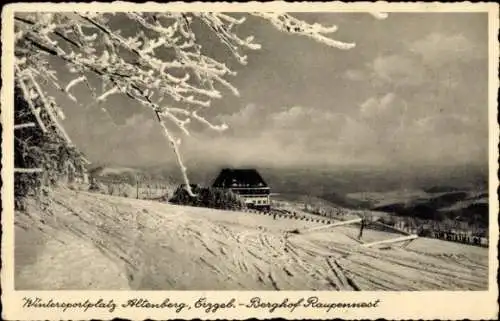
(97,187)
(388,220)
(208,197)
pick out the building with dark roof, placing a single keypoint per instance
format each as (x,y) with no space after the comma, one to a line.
(248,184)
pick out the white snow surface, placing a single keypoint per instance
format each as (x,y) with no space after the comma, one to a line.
(86,241)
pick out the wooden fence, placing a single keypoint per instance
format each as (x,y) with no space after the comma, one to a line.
(451,236)
(141,189)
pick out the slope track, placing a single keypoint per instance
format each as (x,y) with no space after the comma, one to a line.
(120,243)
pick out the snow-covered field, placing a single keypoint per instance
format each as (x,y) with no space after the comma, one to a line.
(93,241)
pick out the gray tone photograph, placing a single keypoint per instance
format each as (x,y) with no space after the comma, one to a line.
(251,151)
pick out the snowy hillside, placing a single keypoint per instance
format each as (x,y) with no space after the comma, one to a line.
(93,241)
(435,199)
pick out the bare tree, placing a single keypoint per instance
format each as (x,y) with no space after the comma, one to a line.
(161,65)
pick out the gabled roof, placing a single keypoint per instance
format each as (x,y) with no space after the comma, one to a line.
(234,178)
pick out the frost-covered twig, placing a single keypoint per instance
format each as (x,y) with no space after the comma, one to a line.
(175,146)
(286,22)
(72,83)
(112,91)
(379,15)
(209,124)
(26,125)
(28,170)
(34,110)
(49,110)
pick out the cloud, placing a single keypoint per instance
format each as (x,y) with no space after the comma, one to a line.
(437,59)
(247,117)
(452,124)
(374,106)
(355,75)
(437,49)
(430,111)
(398,70)
(291,136)
(380,132)
(138,140)
(387,115)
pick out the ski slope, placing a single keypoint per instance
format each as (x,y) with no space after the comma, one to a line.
(99,242)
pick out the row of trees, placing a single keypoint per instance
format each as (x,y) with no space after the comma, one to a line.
(473,214)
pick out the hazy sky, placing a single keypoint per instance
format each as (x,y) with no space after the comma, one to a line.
(412,92)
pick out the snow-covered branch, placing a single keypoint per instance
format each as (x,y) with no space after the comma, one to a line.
(379,15)
(29,99)
(175,146)
(73,83)
(49,109)
(288,23)
(209,124)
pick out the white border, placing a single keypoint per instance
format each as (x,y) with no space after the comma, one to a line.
(394,305)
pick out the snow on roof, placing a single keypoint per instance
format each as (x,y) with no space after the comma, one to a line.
(239,178)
